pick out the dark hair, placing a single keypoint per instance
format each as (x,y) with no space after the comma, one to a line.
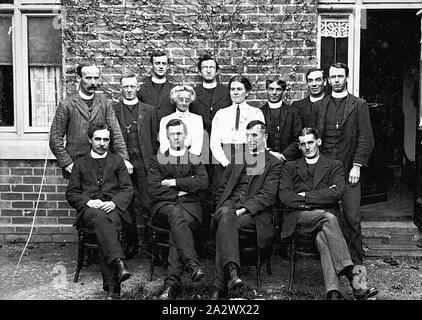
(95,127)
(129,75)
(157,53)
(176,122)
(83,65)
(313,70)
(206,57)
(280,81)
(254,123)
(243,80)
(309,130)
(340,65)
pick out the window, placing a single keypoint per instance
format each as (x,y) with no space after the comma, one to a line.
(30,74)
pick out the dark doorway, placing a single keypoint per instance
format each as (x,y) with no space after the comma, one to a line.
(389,71)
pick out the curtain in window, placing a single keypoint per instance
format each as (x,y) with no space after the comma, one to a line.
(45,94)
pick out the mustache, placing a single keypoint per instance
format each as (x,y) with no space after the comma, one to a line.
(92,87)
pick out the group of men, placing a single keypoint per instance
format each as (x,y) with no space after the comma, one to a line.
(306,157)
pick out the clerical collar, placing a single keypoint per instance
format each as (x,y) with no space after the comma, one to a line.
(130,102)
(84,96)
(182,114)
(312,161)
(177,153)
(209,85)
(342,94)
(98,156)
(258,152)
(315,99)
(158,81)
(273,105)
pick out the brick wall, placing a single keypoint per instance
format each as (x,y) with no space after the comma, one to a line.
(273,37)
(20,183)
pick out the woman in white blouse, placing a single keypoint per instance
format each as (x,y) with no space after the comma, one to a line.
(183,96)
(229,124)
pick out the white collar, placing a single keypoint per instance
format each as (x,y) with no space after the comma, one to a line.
(158,81)
(242,105)
(339,94)
(181,114)
(130,102)
(84,96)
(177,153)
(312,161)
(98,156)
(209,85)
(277,105)
(315,99)
(258,152)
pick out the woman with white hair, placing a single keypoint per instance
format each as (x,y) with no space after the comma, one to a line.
(183,96)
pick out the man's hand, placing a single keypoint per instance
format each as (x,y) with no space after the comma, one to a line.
(108,206)
(241,211)
(129,166)
(278,155)
(169,182)
(97,203)
(69,167)
(354,175)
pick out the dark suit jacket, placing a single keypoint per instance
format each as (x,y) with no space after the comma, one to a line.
(307,112)
(290,126)
(221,99)
(294,179)
(72,120)
(162,103)
(356,140)
(147,129)
(261,193)
(117,185)
(190,177)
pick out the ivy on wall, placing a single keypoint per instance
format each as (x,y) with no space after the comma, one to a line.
(257,38)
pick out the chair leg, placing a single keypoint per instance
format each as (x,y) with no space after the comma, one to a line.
(152,259)
(292,264)
(269,271)
(80,257)
(258,268)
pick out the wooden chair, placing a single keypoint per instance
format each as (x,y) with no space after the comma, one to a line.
(303,245)
(88,240)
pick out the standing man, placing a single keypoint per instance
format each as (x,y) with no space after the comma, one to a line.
(174,181)
(316,81)
(245,198)
(73,116)
(283,121)
(345,127)
(312,187)
(100,190)
(211,96)
(155,90)
(138,122)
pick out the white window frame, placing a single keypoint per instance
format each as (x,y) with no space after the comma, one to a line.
(21,141)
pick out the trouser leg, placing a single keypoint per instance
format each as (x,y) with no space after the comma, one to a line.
(331,279)
(352,218)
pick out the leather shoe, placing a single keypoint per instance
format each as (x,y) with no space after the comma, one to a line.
(123,273)
(216,294)
(113,293)
(363,294)
(333,295)
(357,278)
(234,280)
(169,292)
(196,273)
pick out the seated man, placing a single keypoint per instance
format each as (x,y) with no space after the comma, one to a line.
(246,194)
(100,190)
(313,185)
(174,181)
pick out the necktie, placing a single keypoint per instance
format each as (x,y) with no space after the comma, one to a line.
(237,117)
